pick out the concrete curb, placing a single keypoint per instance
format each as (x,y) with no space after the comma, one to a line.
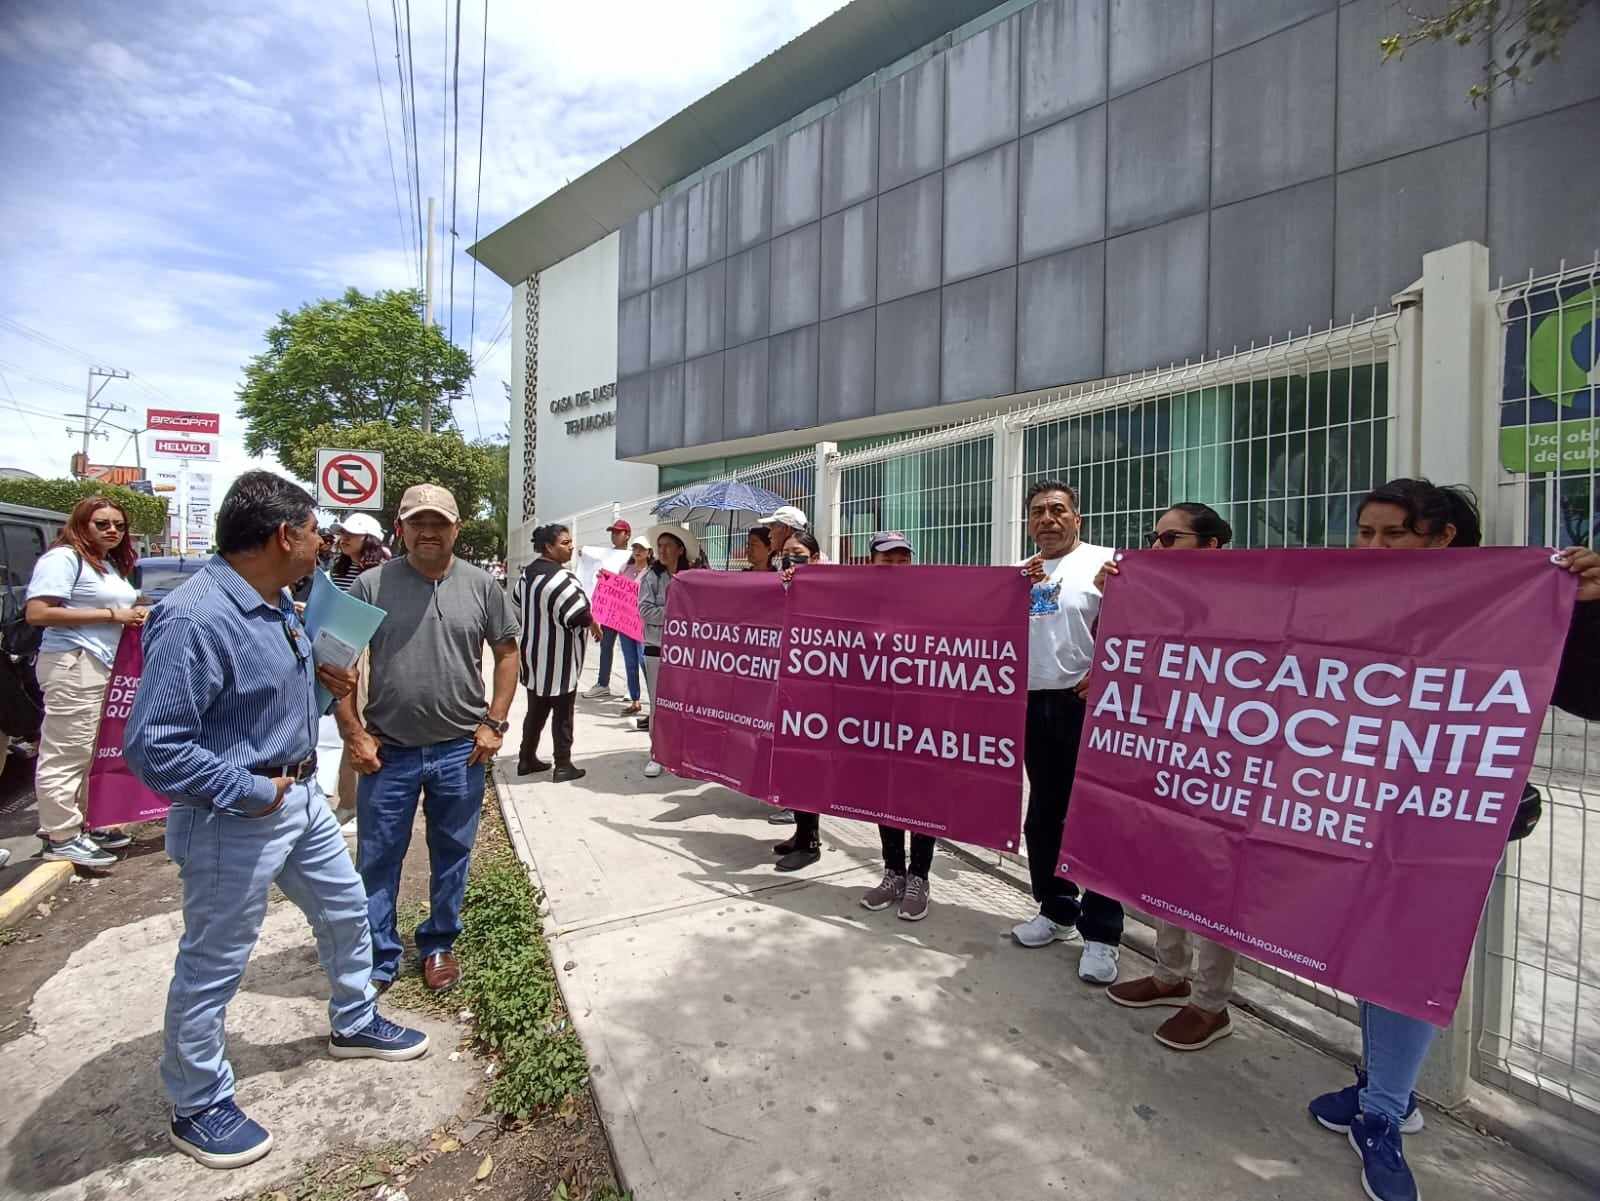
(609,1097)
(38,885)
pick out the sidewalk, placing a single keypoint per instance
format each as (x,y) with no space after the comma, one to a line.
(754,1035)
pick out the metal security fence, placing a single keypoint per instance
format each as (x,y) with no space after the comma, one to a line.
(1538,1027)
(1282,441)
(937,489)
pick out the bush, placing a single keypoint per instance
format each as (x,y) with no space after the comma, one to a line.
(147,514)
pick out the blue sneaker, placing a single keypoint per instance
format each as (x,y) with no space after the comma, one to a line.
(1384,1172)
(220,1137)
(379,1039)
(1337,1110)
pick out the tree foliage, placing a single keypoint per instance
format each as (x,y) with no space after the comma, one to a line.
(1518,35)
(409,457)
(356,361)
(147,514)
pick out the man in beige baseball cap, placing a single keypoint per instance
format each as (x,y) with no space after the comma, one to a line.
(428,498)
(429,728)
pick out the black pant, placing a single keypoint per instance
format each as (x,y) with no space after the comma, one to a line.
(540,707)
(807,827)
(1050,754)
(894,851)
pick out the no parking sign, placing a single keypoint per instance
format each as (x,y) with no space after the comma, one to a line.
(350,479)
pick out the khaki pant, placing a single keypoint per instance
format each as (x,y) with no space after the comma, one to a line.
(1213,970)
(74,684)
(348,779)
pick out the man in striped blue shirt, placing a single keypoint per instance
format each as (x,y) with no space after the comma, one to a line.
(225,726)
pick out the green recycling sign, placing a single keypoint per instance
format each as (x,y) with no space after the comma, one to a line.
(1549,419)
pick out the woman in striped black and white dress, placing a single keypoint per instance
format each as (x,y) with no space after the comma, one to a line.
(555,621)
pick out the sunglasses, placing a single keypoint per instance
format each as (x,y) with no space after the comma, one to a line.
(106,523)
(1167,538)
(795,560)
(294,645)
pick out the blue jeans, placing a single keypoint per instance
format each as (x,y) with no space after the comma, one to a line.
(386,807)
(632,656)
(632,653)
(228,865)
(1393,1048)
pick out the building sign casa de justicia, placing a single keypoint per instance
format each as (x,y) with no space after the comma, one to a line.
(585,400)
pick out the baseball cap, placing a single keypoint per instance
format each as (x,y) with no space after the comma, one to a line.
(640,540)
(790,516)
(619,525)
(358,523)
(428,498)
(889,540)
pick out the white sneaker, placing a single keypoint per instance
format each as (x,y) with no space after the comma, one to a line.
(1098,964)
(1040,931)
(595,693)
(652,770)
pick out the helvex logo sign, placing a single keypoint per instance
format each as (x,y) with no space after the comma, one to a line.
(1549,419)
(185,448)
(182,422)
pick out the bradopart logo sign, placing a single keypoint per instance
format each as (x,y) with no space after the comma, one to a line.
(1549,420)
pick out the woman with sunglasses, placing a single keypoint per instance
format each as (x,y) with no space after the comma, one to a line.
(805,846)
(82,596)
(1193,975)
(1408,514)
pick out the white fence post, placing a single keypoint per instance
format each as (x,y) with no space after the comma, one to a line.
(825,503)
(1004,545)
(1457,318)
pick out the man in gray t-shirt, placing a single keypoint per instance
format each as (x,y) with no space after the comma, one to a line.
(429,729)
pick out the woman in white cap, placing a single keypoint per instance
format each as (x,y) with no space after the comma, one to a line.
(676,548)
(633,652)
(359,539)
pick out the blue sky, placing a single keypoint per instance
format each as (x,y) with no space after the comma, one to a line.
(174,174)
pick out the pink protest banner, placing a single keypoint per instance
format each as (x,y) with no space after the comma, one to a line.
(895,696)
(902,699)
(1313,757)
(712,719)
(116,797)
(616,604)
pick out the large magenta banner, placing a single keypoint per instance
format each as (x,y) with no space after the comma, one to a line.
(1314,757)
(116,796)
(713,717)
(895,696)
(902,699)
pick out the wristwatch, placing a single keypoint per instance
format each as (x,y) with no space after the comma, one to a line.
(499,727)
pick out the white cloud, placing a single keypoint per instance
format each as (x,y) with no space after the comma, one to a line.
(183,174)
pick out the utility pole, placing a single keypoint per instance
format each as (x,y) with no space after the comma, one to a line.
(427,315)
(91,423)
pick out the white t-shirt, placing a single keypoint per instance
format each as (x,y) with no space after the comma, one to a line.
(1061,612)
(53,578)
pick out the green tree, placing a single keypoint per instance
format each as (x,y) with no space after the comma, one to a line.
(1518,35)
(356,361)
(481,539)
(147,514)
(409,457)
(500,486)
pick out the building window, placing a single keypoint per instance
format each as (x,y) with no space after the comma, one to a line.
(1284,459)
(940,498)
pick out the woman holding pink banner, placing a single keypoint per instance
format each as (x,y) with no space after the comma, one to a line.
(804,847)
(676,548)
(633,652)
(82,596)
(1412,514)
(1193,975)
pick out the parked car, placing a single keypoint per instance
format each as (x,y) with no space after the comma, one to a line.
(25,534)
(160,574)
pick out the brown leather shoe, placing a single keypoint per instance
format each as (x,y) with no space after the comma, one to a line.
(1147,992)
(1193,1029)
(441,972)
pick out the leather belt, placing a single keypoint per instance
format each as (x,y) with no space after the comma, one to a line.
(298,772)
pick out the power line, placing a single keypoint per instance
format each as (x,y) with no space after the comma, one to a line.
(32,433)
(405,135)
(455,171)
(477,206)
(46,340)
(416,147)
(69,389)
(388,146)
(504,326)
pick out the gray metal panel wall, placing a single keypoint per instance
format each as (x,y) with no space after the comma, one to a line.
(1083,188)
